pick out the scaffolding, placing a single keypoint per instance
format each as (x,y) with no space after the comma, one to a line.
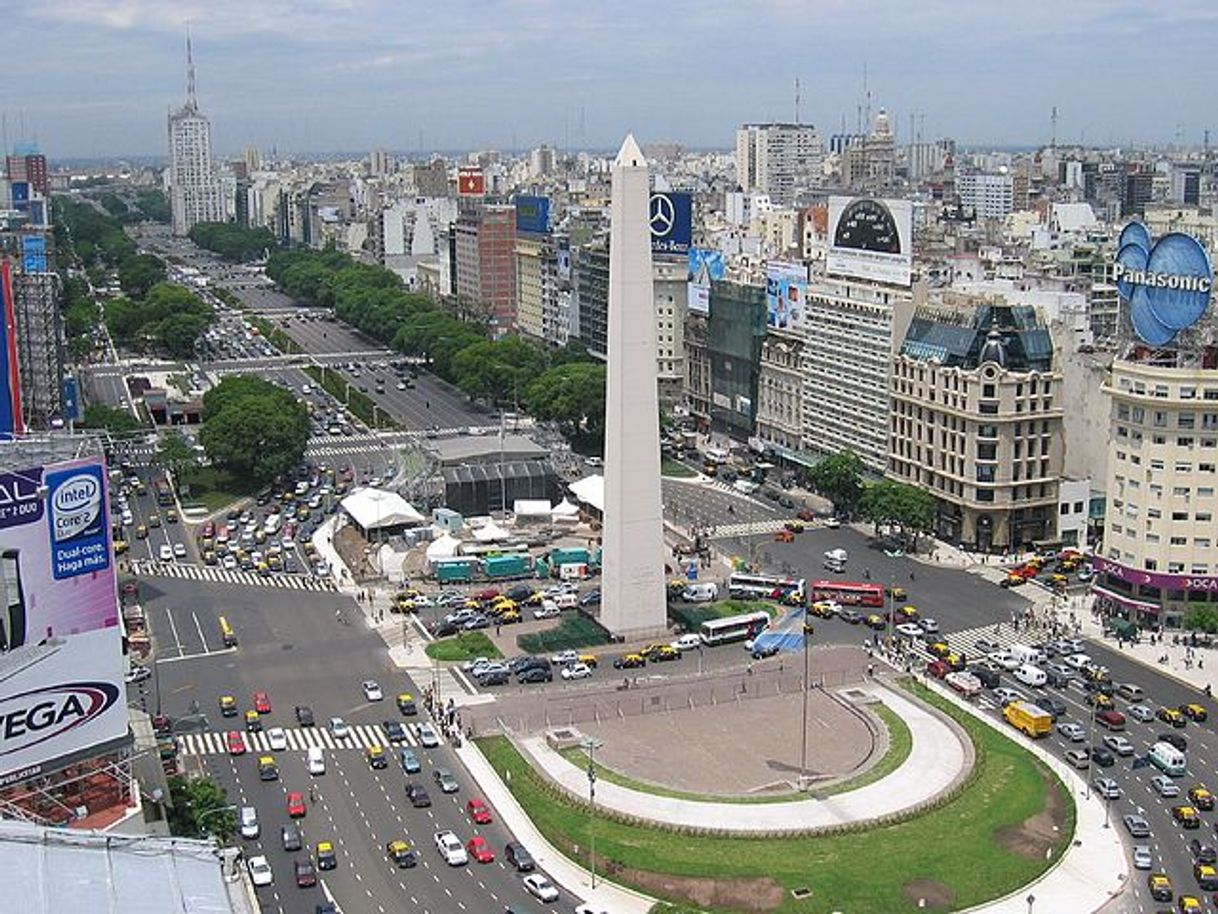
(39,347)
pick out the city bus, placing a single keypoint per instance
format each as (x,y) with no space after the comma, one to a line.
(849,593)
(733,628)
(742,586)
(227,634)
(164,493)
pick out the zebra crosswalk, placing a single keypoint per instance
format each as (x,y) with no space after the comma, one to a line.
(298,739)
(964,642)
(744,528)
(216,575)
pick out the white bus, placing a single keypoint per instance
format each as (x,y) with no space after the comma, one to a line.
(734,628)
(742,586)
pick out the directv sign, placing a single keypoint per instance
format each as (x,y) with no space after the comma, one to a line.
(1167,284)
(533,215)
(670,216)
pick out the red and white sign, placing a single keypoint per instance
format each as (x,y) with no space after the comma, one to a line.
(471,182)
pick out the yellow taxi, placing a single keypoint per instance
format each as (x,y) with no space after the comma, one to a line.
(228,706)
(252,721)
(509,616)
(537,597)
(940,649)
(1172,716)
(897,593)
(1160,887)
(1101,701)
(1206,876)
(650,649)
(327,859)
(1195,713)
(502,605)
(822,608)
(1187,904)
(141,532)
(404,603)
(956,661)
(1201,798)
(629,662)
(1186,816)
(120,546)
(309,548)
(664,652)
(154,520)
(589,659)
(209,557)
(267,769)
(412,593)
(376,757)
(401,853)
(906,614)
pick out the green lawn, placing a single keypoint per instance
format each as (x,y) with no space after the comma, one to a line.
(676,469)
(953,844)
(900,744)
(573,631)
(214,488)
(465,646)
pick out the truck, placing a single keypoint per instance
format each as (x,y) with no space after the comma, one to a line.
(454,571)
(576,556)
(1028,718)
(503,567)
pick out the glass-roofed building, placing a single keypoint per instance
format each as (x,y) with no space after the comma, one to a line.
(977,420)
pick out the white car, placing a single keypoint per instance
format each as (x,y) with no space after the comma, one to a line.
(576,671)
(1143,858)
(563,657)
(260,871)
(1119,745)
(1079,661)
(1141,712)
(449,846)
(1072,731)
(909,630)
(1107,788)
(230,563)
(1005,660)
(472,666)
(277,739)
(339,728)
(1165,786)
(540,887)
(372,691)
(166,552)
(548,610)
(179,551)
(929,626)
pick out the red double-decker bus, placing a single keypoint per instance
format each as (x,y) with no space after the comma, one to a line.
(849,593)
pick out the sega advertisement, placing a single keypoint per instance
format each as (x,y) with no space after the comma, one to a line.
(532,215)
(786,295)
(61,682)
(671,218)
(1167,284)
(871,239)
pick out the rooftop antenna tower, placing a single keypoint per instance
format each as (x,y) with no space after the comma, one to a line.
(796,99)
(190,71)
(867,94)
(1053,121)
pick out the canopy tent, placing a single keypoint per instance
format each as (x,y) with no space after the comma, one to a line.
(565,512)
(380,509)
(491,533)
(531,508)
(590,491)
(443,548)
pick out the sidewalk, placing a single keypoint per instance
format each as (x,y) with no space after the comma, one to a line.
(936,760)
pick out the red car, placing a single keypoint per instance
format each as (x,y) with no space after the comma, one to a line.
(485,596)
(262,703)
(236,743)
(938,668)
(480,850)
(479,811)
(296,804)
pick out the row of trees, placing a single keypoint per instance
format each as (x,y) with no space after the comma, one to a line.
(135,204)
(885,503)
(167,318)
(233,242)
(251,427)
(565,386)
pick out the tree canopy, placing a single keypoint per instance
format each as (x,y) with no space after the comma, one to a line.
(908,507)
(840,479)
(573,395)
(233,242)
(115,421)
(199,807)
(138,274)
(253,427)
(169,318)
(175,455)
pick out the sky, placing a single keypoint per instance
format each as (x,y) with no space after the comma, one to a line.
(96,78)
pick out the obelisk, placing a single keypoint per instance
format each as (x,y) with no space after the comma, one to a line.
(633,600)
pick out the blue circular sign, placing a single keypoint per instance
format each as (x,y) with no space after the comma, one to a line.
(1167,285)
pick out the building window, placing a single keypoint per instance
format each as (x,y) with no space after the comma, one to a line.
(1150,565)
(1123,412)
(1179,541)
(987,391)
(1202,542)
(1205,491)
(1181,491)
(1186,420)
(1188,393)
(985,495)
(1160,420)
(1175,567)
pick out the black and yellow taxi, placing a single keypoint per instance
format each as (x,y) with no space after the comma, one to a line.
(823,608)
(897,593)
(253,721)
(228,706)
(209,557)
(402,854)
(906,614)
(120,546)
(1101,701)
(1186,816)
(1172,716)
(650,649)
(956,661)
(327,859)
(629,662)
(406,704)
(1196,713)
(664,652)
(588,659)
(141,532)
(171,516)
(537,597)
(1189,904)
(154,520)
(268,770)
(376,757)
(1160,887)
(876,621)
(509,617)
(1206,876)
(940,649)
(1200,797)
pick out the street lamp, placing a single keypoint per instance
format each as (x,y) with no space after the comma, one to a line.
(589,746)
(803,742)
(1031,901)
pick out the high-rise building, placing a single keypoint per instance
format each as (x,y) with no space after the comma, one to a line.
(870,163)
(486,262)
(541,161)
(195,191)
(987,196)
(380,162)
(778,159)
(31,167)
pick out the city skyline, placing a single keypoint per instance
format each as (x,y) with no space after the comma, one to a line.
(352,74)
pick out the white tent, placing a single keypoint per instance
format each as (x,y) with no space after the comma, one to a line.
(443,548)
(565,512)
(591,491)
(531,508)
(376,509)
(491,533)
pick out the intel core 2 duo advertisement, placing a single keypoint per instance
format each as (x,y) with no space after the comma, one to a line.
(61,683)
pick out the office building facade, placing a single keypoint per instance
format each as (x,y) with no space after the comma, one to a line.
(195,191)
(486,263)
(777,159)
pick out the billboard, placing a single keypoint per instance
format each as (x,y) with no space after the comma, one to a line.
(33,254)
(73,409)
(471,182)
(1167,284)
(871,239)
(61,662)
(786,295)
(11,421)
(671,217)
(705,266)
(533,215)
(21,194)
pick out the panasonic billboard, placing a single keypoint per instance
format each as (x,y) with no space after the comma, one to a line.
(1167,284)
(61,667)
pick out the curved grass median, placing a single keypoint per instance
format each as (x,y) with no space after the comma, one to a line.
(900,744)
(465,646)
(989,840)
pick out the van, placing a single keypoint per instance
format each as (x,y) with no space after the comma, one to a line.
(688,642)
(1130,692)
(835,560)
(566,600)
(1028,655)
(1031,675)
(702,592)
(227,634)
(716,455)
(1168,759)
(250,828)
(315,760)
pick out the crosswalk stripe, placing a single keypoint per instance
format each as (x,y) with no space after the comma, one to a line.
(725,531)
(217,575)
(361,737)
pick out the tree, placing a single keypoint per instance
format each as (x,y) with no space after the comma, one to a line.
(908,507)
(254,427)
(1201,618)
(139,273)
(175,455)
(498,370)
(573,395)
(232,242)
(840,479)
(115,421)
(199,807)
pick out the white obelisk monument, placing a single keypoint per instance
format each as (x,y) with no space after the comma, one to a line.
(633,599)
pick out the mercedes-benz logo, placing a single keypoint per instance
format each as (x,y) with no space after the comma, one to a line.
(663,215)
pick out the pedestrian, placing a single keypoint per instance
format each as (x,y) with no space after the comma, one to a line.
(870,670)
(911,575)
(498,629)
